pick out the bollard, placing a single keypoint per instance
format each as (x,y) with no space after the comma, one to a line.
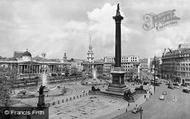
(73,97)
(62,100)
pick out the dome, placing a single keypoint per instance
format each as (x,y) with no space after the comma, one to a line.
(26,53)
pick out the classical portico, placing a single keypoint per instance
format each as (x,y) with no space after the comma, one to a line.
(28,69)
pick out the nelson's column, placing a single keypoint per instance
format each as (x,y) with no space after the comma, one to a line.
(117,86)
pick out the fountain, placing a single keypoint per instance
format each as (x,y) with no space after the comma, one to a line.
(94,80)
(44,81)
(94,74)
(43,88)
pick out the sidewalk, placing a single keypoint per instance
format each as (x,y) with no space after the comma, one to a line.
(138,102)
(122,110)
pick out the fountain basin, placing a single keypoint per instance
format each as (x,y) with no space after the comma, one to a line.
(93,81)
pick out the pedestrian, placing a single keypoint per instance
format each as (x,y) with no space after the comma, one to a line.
(144,96)
(128,104)
(126,109)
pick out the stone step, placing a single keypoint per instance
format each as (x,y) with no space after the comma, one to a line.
(116,85)
(115,94)
(117,89)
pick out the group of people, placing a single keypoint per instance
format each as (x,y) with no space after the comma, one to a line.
(137,108)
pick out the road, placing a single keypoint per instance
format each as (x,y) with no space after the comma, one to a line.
(175,106)
(146,74)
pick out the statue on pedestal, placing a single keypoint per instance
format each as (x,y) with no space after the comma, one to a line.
(41,90)
(41,101)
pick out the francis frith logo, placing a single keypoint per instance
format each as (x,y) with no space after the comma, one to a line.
(160,21)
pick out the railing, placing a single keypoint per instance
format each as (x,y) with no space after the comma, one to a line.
(66,99)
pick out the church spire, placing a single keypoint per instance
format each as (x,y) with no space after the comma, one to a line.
(90,54)
(90,43)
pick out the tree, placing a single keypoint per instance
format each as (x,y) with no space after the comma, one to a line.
(7,77)
(99,69)
(128,95)
(131,73)
(66,71)
(73,71)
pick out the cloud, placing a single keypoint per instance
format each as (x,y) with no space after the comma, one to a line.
(102,26)
(58,26)
(32,27)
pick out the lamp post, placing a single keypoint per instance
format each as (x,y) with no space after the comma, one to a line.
(141,112)
(154,68)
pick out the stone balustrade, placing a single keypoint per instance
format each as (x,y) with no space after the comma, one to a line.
(66,99)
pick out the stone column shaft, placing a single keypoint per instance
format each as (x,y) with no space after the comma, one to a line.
(118,44)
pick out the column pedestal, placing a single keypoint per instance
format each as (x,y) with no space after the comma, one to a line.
(41,101)
(117,86)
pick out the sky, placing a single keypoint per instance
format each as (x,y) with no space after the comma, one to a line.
(57,26)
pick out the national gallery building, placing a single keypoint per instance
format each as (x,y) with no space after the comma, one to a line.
(28,69)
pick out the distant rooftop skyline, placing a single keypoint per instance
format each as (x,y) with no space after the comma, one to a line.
(57,26)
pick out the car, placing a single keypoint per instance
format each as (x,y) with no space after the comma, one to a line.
(185,85)
(177,87)
(170,86)
(186,90)
(145,83)
(176,84)
(136,109)
(164,93)
(161,97)
(167,84)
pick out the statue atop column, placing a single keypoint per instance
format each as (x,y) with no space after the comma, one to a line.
(117,12)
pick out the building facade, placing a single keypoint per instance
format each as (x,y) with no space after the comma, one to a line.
(76,64)
(176,64)
(129,63)
(28,69)
(145,63)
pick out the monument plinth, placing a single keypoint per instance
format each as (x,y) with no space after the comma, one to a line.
(41,100)
(117,86)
